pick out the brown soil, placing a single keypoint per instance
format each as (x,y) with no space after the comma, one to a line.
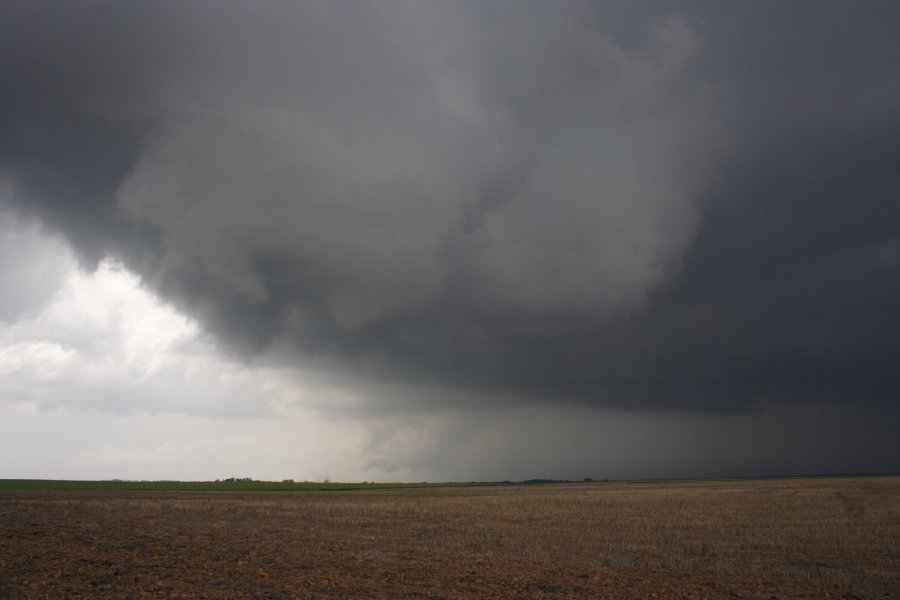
(828,538)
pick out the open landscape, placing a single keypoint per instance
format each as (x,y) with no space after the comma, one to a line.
(779,538)
(505,299)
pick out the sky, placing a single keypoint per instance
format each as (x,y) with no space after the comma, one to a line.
(408,240)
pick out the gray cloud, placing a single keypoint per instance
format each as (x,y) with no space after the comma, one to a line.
(32,269)
(620,206)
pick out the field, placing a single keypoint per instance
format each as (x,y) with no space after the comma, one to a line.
(792,538)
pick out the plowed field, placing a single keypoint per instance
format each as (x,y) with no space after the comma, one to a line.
(837,538)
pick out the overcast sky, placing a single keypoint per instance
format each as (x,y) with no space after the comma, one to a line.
(449,240)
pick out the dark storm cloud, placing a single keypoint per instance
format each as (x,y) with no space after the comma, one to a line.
(628,206)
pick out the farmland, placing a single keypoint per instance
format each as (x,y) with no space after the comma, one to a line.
(792,538)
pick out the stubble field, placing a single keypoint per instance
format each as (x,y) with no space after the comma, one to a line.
(804,538)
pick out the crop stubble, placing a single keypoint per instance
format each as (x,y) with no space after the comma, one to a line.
(729,539)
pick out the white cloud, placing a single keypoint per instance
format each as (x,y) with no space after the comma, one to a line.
(103,342)
(104,380)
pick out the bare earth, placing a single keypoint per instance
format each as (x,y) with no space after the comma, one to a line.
(822,538)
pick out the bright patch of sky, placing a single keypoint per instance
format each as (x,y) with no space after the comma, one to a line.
(99,378)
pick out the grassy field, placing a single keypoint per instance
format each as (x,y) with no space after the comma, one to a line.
(791,538)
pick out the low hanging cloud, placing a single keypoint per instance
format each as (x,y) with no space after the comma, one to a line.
(464,203)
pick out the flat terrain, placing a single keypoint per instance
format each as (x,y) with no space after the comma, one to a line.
(805,538)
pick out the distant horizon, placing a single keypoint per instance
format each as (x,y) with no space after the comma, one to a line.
(529,481)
